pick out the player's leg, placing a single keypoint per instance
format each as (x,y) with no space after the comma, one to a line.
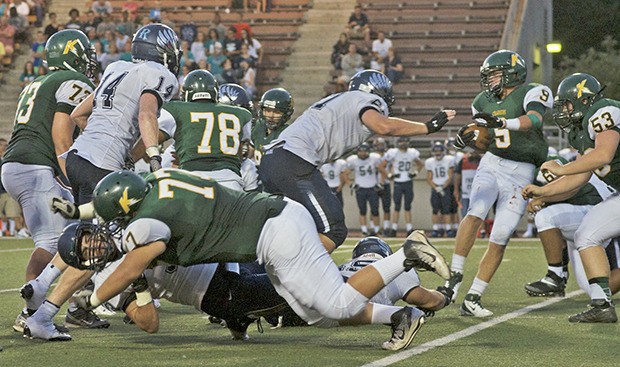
(613,255)
(373,202)
(386,204)
(408,200)
(360,198)
(397,198)
(436,214)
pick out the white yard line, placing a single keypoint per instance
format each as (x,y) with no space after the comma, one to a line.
(16,250)
(466,332)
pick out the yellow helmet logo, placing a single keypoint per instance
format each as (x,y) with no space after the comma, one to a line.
(514,59)
(581,87)
(70,46)
(126,202)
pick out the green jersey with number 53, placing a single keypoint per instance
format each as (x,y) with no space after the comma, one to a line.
(603,115)
(31,141)
(208,135)
(199,220)
(522,146)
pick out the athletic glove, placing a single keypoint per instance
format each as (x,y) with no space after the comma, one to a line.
(140,284)
(154,158)
(379,189)
(484,119)
(65,208)
(436,123)
(439,190)
(354,186)
(448,293)
(413,174)
(83,301)
(463,139)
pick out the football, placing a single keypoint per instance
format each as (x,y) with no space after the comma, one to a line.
(481,139)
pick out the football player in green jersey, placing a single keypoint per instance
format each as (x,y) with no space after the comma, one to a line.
(43,131)
(512,110)
(275,109)
(182,219)
(592,125)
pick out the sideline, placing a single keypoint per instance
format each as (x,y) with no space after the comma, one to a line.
(467,332)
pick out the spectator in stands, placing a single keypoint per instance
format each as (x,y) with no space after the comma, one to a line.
(185,69)
(3,8)
(74,20)
(248,78)
(107,24)
(229,74)
(232,45)
(120,37)
(91,22)
(188,30)
(20,24)
(110,55)
(187,58)
(126,52)
(212,38)
(351,63)
(7,34)
(393,66)
(38,48)
(42,70)
(22,9)
(358,26)
(38,8)
(108,37)
(198,47)
(254,47)
(340,49)
(126,25)
(216,62)
(244,56)
(53,26)
(101,7)
(164,18)
(381,45)
(29,74)
(218,26)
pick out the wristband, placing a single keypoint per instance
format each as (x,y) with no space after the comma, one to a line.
(143,298)
(513,124)
(152,151)
(86,211)
(536,122)
(94,300)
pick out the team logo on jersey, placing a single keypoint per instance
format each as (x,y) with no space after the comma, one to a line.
(126,202)
(70,47)
(581,87)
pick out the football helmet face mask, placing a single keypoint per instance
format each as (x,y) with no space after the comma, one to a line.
(159,43)
(70,49)
(86,246)
(403,143)
(502,69)
(371,245)
(374,82)
(575,95)
(199,85)
(278,99)
(235,95)
(363,151)
(119,195)
(438,150)
(379,145)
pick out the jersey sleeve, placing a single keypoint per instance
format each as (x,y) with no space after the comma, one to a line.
(605,118)
(428,165)
(159,81)
(70,93)
(246,131)
(539,99)
(166,122)
(371,101)
(415,154)
(144,231)
(351,163)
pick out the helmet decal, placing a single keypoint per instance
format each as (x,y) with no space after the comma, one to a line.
(125,202)
(581,87)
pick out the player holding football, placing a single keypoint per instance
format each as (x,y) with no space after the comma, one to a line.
(513,112)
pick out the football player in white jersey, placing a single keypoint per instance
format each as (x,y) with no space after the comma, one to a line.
(326,131)
(404,163)
(332,173)
(122,110)
(439,172)
(365,166)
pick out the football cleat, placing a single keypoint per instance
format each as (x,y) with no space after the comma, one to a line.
(471,306)
(405,325)
(454,283)
(20,323)
(422,254)
(85,319)
(34,329)
(598,310)
(239,327)
(550,286)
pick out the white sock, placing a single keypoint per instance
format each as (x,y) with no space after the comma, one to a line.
(395,226)
(455,226)
(436,227)
(558,270)
(530,227)
(390,267)
(12,227)
(409,227)
(478,287)
(47,311)
(48,276)
(458,263)
(386,224)
(364,229)
(381,314)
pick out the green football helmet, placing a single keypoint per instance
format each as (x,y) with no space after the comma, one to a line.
(199,85)
(576,93)
(70,49)
(512,66)
(278,99)
(118,196)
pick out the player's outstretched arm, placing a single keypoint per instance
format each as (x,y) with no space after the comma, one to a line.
(394,126)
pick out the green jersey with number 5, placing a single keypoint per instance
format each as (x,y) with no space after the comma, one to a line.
(522,146)
(208,135)
(207,222)
(603,115)
(31,141)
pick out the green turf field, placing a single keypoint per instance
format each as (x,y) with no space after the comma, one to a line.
(542,337)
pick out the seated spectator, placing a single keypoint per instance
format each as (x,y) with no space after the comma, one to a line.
(358,26)
(248,78)
(126,52)
(254,47)
(110,56)
(352,62)
(188,30)
(52,27)
(107,39)
(243,56)
(28,75)
(101,7)
(107,24)
(3,8)
(393,66)
(212,38)
(131,7)
(91,22)
(20,24)
(7,34)
(121,37)
(74,21)
(42,70)
(218,26)
(22,9)
(164,18)
(38,9)
(126,26)
(185,69)
(381,45)
(38,48)
(198,47)
(229,74)
(216,61)
(232,46)
(187,58)
(339,49)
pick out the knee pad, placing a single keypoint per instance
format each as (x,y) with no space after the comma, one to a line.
(500,234)
(345,304)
